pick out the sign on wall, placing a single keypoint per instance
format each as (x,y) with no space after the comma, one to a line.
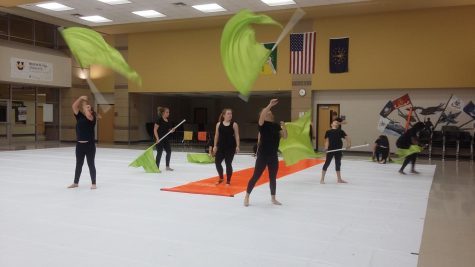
(31,70)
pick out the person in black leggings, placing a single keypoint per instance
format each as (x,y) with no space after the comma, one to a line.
(333,140)
(410,137)
(161,128)
(381,149)
(85,145)
(226,144)
(270,134)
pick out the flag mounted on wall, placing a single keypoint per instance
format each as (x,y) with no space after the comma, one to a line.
(270,67)
(339,55)
(302,53)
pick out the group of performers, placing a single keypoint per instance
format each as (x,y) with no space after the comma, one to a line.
(226,142)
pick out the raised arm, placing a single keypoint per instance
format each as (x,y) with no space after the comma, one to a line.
(75,106)
(236,135)
(262,117)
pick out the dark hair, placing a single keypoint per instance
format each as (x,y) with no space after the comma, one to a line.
(418,126)
(384,138)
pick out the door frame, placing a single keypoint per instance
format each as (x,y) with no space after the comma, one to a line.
(317,122)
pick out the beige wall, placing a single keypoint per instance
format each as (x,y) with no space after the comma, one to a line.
(190,61)
(432,48)
(362,107)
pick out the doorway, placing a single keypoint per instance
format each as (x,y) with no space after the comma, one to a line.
(105,123)
(324,117)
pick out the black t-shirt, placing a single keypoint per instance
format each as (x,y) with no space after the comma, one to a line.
(381,143)
(405,140)
(270,138)
(226,139)
(85,128)
(334,138)
(163,127)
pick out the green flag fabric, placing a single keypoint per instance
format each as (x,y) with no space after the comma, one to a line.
(298,146)
(89,48)
(201,158)
(242,56)
(403,153)
(146,161)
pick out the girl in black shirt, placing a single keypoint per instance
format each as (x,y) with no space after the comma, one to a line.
(161,128)
(226,144)
(333,141)
(410,137)
(85,145)
(270,134)
(381,149)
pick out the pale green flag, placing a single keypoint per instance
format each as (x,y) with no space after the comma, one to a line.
(89,48)
(298,145)
(201,158)
(242,56)
(403,153)
(147,161)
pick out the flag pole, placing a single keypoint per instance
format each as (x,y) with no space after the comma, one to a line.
(341,149)
(409,116)
(445,108)
(466,123)
(298,14)
(169,132)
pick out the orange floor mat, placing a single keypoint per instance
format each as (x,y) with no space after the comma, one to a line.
(239,180)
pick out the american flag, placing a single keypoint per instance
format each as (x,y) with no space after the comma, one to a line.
(302,53)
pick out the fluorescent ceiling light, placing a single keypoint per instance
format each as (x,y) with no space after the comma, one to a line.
(54,6)
(278,2)
(207,8)
(149,14)
(115,2)
(95,19)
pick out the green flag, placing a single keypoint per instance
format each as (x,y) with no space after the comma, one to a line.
(146,161)
(242,56)
(201,158)
(88,47)
(403,153)
(298,146)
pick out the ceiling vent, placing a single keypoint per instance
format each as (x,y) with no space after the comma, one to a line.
(179,4)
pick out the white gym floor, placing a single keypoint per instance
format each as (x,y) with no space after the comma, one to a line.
(374,220)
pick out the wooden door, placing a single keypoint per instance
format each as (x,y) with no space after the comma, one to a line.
(105,125)
(324,121)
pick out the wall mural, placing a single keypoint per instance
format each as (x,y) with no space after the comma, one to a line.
(399,114)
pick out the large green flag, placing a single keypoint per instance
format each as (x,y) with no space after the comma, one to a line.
(147,161)
(298,145)
(403,153)
(88,47)
(242,56)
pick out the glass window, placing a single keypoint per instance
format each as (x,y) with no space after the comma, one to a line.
(44,34)
(3,25)
(21,29)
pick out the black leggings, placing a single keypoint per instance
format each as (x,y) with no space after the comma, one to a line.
(227,155)
(87,150)
(160,147)
(412,159)
(272,163)
(383,152)
(329,158)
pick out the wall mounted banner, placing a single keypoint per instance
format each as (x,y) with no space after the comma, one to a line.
(31,70)
(270,67)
